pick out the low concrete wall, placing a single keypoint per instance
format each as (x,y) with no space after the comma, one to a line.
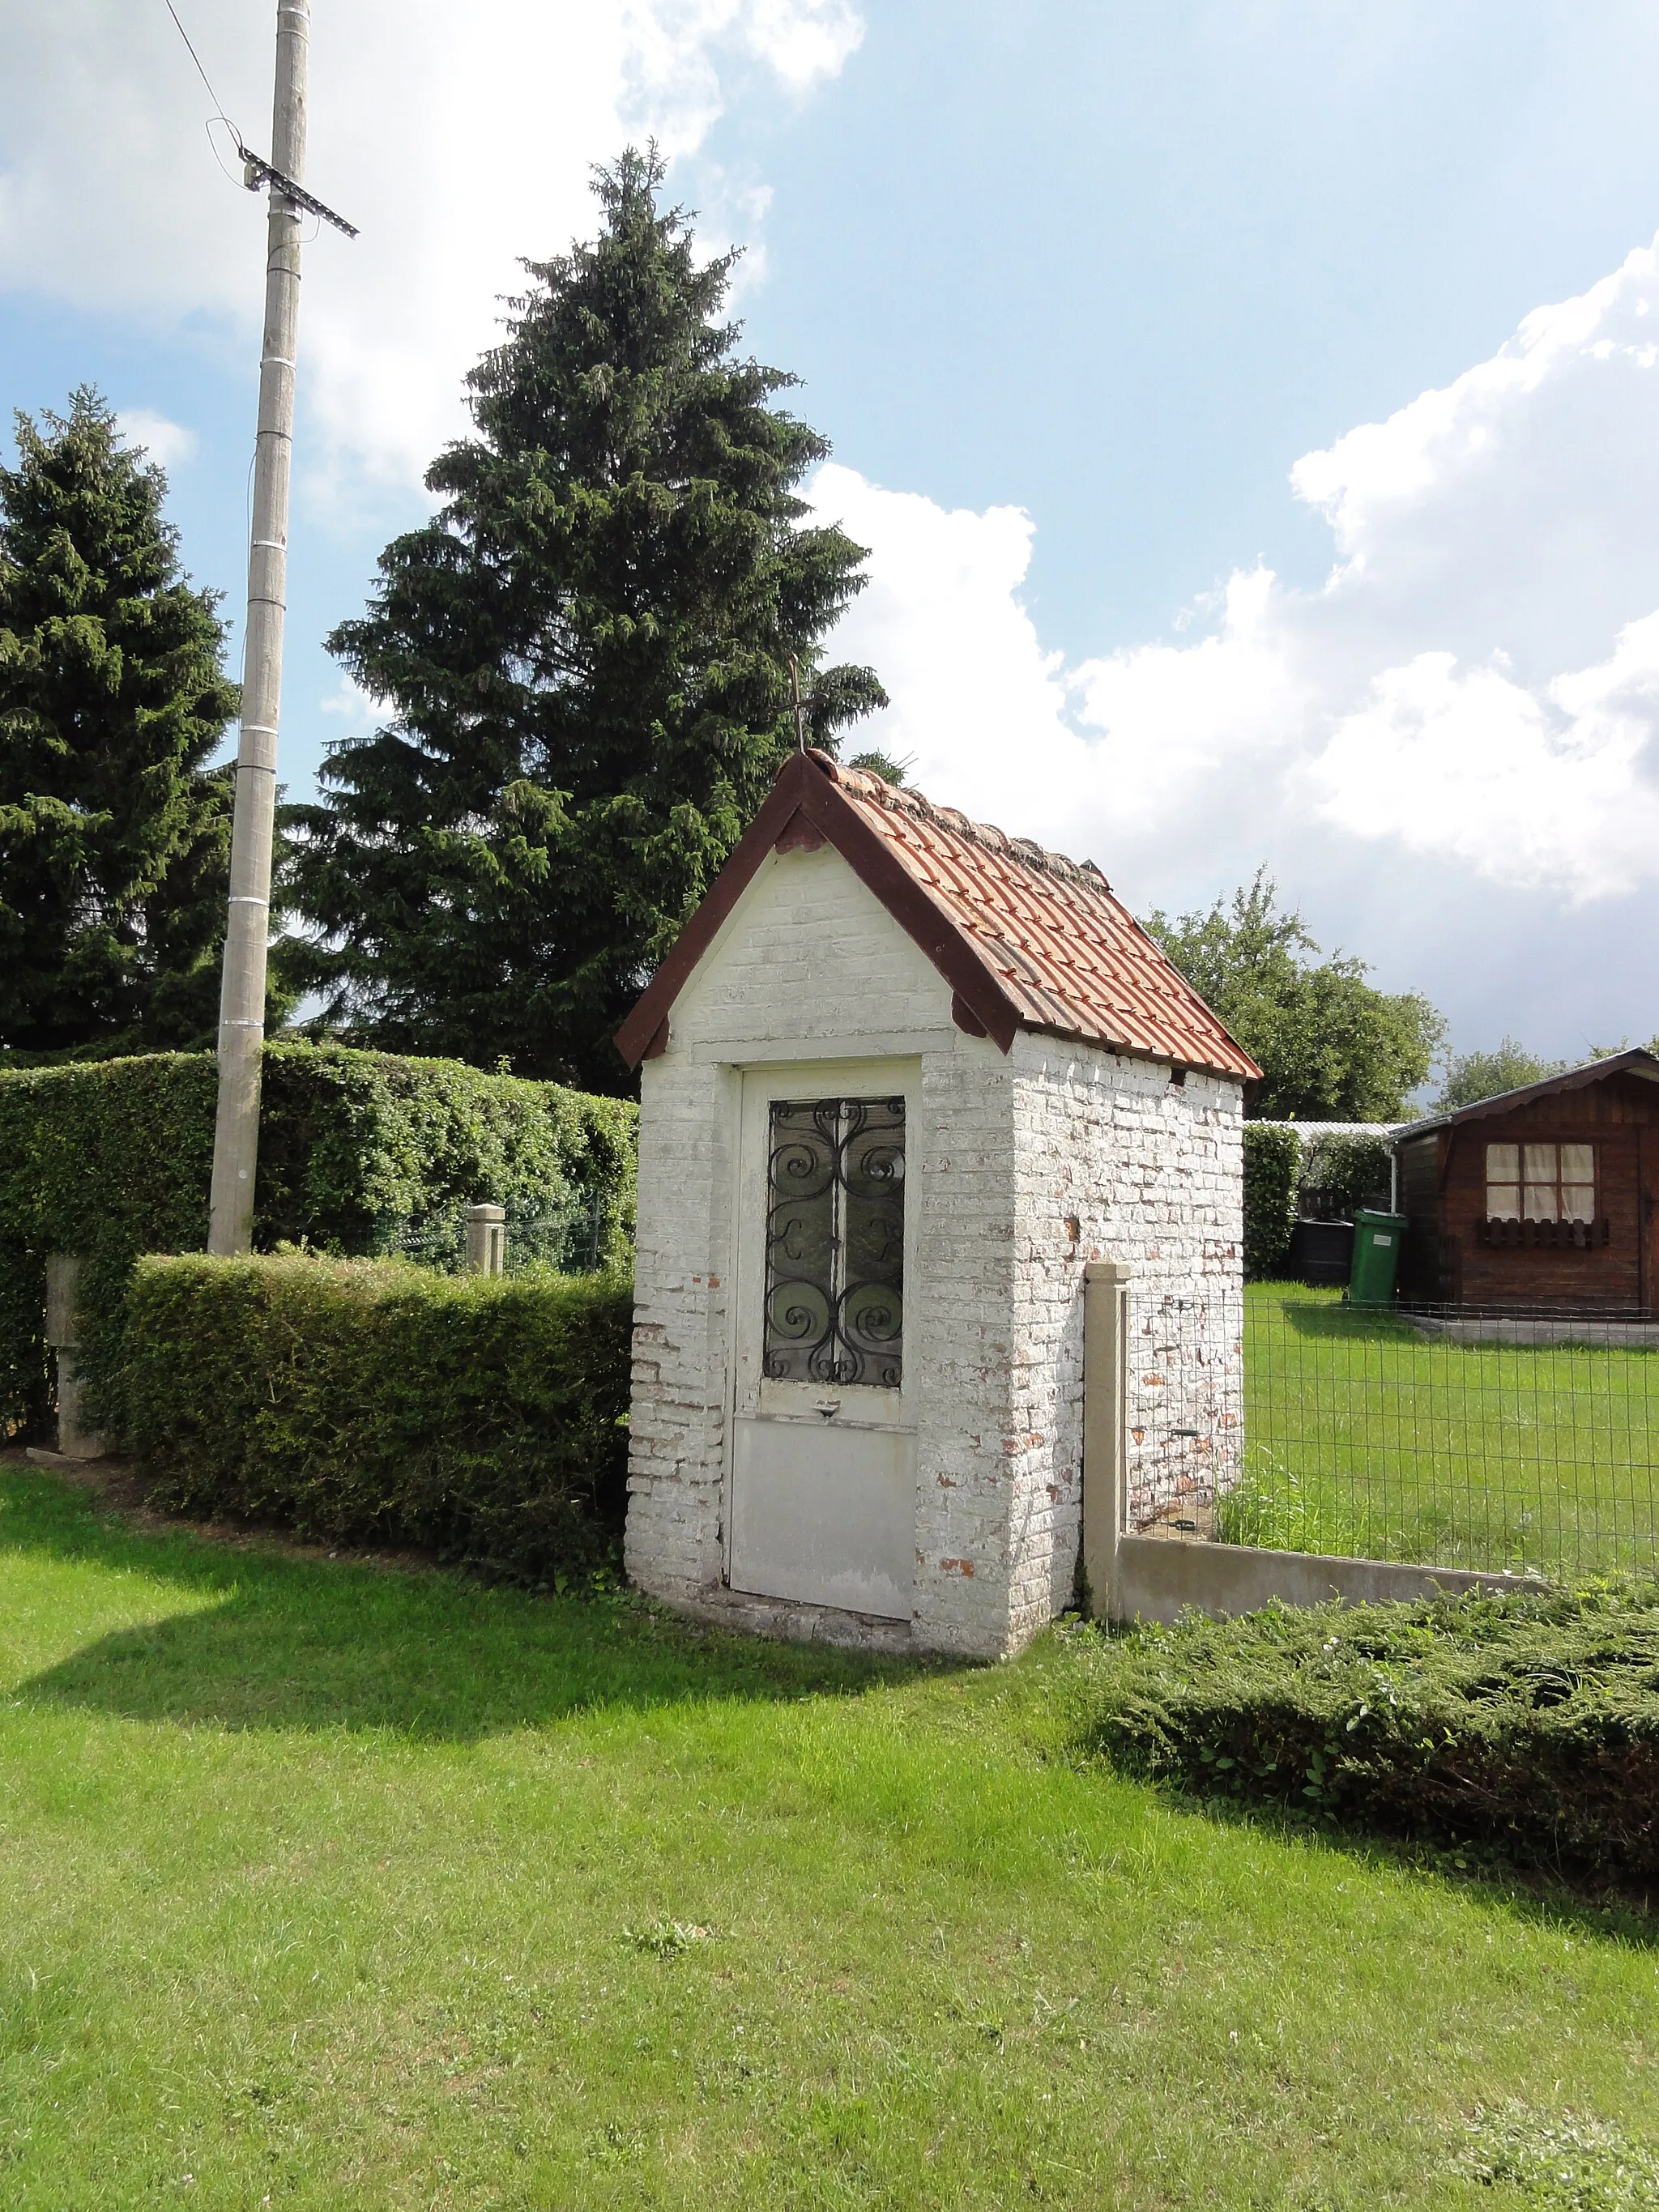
(1532,1330)
(1155,1578)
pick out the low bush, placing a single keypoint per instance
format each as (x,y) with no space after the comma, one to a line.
(483,1418)
(1529,1722)
(1273,1166)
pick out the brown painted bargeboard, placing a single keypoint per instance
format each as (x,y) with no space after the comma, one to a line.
(1026,938)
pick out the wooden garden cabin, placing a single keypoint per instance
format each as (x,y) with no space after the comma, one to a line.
(1546,1197)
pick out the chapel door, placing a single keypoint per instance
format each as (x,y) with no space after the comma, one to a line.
(822,1503)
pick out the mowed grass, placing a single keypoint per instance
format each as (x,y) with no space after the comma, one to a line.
(324,1884)
(1364,1437)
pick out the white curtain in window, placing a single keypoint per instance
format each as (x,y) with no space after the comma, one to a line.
(1578,1183)
(1502,1183)
(1539,1202)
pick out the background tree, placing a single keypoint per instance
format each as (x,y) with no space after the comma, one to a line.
(1472,1076)
(1331,1046)
(114,835)
(586,652)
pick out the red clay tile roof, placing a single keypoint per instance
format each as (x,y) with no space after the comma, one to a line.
(1027,937)
(1068,953)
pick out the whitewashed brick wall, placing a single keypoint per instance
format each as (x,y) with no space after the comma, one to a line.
(1117,1162)
(679,1416)
(1007,1152)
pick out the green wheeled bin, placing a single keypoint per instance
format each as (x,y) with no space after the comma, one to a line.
(1377,1238)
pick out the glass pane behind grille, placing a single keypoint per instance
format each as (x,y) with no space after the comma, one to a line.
(834,1242)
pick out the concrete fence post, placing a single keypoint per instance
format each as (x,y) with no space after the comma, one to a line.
(486,1240)
(75,1439)
(1105,1350)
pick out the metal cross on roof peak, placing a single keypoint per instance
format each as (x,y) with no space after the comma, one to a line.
(802,702)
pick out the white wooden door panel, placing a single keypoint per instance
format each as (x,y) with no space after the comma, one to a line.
(821,1505)
(825,1515)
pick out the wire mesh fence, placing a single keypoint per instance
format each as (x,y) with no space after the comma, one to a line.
(570,1236)
(1452,1437)
(1183,1386)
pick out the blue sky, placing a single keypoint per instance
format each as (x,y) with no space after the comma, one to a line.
(1074,290)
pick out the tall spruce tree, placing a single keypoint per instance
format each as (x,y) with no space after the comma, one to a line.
(114,834)
(586,654)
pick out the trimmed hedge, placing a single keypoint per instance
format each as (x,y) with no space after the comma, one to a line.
(1527,1721)
(366,1400)
(361,1153)
(1273,1170)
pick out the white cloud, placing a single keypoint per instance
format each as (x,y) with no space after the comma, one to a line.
(457,138)
(355,711)
(166,442)
(942,622)
(1475,685)
(804,39)
(1546,793)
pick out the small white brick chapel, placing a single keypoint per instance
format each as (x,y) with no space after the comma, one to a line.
(903,1077)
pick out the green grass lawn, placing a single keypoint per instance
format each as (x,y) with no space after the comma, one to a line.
(1364,1437)
(324,1884)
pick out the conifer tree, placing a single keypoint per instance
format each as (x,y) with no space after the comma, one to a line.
(585,658)
(114,834)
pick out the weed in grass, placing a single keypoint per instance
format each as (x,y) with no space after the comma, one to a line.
(1564,2163)
(666,1938)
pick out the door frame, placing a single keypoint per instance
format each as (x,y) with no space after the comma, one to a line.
(759,1083)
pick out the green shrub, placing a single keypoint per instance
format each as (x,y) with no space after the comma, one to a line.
(361,1153)
(109,1159)
(1341,1172)
(1528,1721)
(1272,1166)
(373,1400)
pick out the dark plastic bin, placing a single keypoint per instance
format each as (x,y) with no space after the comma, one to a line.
(1321,1252)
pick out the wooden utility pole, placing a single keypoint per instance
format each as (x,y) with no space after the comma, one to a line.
(242,989)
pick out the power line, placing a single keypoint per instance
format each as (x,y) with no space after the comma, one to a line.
(255,171)
(219,105)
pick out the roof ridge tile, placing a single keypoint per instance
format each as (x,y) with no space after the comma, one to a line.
(905,799)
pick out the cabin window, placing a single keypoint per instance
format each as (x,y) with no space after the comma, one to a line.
(1541,1182)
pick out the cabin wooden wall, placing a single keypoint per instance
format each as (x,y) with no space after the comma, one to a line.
(1444,1195)
(1418,1199)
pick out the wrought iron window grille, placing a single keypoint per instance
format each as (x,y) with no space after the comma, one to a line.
(835,1243)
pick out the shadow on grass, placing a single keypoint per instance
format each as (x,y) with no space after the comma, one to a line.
(264,1639)
(1300,1314)
(1546,1896)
